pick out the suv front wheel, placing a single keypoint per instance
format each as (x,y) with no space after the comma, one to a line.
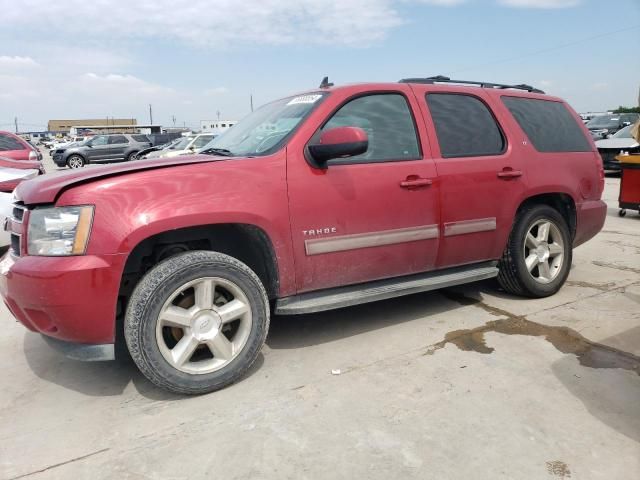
(75,161)
(196,322)
(537,259)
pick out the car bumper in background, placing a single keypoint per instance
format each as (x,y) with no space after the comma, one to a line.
(69,298)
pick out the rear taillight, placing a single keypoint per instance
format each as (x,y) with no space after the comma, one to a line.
(33,155)
(601,175)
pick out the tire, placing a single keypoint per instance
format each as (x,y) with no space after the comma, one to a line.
(154,342)
(132,156)
(530,277)
(75,161)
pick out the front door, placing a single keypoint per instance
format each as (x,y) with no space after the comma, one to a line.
(99,148)
(371,216)
(481,179)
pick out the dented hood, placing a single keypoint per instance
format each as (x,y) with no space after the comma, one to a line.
(46,188)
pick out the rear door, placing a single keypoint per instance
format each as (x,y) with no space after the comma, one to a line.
(371,216)
(118,145)
(481,179)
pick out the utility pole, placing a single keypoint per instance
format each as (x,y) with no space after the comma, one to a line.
(218,113)
(150,115)
(173,117)
(251,100)
(15,120)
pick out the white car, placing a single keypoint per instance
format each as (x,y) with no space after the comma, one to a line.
(183,146)
(6,199)
(619,142)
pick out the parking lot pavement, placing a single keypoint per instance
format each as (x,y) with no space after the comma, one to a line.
(462,383)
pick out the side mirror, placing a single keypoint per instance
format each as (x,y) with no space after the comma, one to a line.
(339,142)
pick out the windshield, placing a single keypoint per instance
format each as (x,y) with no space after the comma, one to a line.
(605,121)
(264,130)
(624,133)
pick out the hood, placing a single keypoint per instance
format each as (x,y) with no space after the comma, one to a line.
(46,188)
(617,143)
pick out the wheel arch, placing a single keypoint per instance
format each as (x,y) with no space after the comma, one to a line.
(246,242)
(561,201)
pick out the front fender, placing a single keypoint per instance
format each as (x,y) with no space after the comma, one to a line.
(132,207)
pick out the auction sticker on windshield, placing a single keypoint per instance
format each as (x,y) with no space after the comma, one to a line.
(304,99)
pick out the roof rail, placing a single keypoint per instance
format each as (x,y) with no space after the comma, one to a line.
(443,79)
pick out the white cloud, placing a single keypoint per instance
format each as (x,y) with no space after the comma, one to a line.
(215,91)
(215,23)
(11,63)
(443,3)
(540,3)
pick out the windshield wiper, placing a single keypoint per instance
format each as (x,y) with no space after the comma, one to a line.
(217,151)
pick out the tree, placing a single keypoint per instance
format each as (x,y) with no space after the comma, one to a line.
(622,109)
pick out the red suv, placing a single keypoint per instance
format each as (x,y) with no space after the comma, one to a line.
(330,198)
(15,147)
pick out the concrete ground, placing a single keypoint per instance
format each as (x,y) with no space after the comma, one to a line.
(456,384)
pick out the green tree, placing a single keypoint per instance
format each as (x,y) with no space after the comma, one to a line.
(622,109)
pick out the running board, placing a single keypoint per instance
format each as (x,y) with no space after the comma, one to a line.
(382,289)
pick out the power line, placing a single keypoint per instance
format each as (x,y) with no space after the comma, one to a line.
(546,50)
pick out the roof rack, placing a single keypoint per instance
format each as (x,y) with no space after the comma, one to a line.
(443,79)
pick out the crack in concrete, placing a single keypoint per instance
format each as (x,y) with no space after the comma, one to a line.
(617,232)
(616,267)
(603,287)
(50,467)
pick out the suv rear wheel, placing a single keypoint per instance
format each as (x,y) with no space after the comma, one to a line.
(538,256)
(196,322)
(75,161)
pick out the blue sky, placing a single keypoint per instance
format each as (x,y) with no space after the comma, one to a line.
(194,58)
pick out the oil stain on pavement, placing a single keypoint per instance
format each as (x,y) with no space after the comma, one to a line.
(566,340)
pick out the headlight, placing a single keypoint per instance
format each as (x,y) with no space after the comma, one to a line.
(59,231)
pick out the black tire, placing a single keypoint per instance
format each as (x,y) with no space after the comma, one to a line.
(132,156)
(514,277)
(76,161)
(152,292)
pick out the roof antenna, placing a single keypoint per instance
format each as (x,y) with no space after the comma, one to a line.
(325,83)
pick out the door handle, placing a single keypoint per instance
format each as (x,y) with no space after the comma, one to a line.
(509,172)
(415,182)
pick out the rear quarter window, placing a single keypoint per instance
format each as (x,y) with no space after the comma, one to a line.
(9,143)
(549,126)
(140,138)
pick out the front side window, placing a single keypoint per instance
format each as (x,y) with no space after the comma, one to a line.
(264,131)
(202,140)
(549,126)
(389,125)
(99,140)
(464,125)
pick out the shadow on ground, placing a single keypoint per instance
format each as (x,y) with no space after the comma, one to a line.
(297,331)
(97,379)
(611,396)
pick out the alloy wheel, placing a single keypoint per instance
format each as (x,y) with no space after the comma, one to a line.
(204,325)
(544,251)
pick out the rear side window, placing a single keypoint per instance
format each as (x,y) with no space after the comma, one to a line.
(465,126)
(140,138)
(549,126)
(10,143)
